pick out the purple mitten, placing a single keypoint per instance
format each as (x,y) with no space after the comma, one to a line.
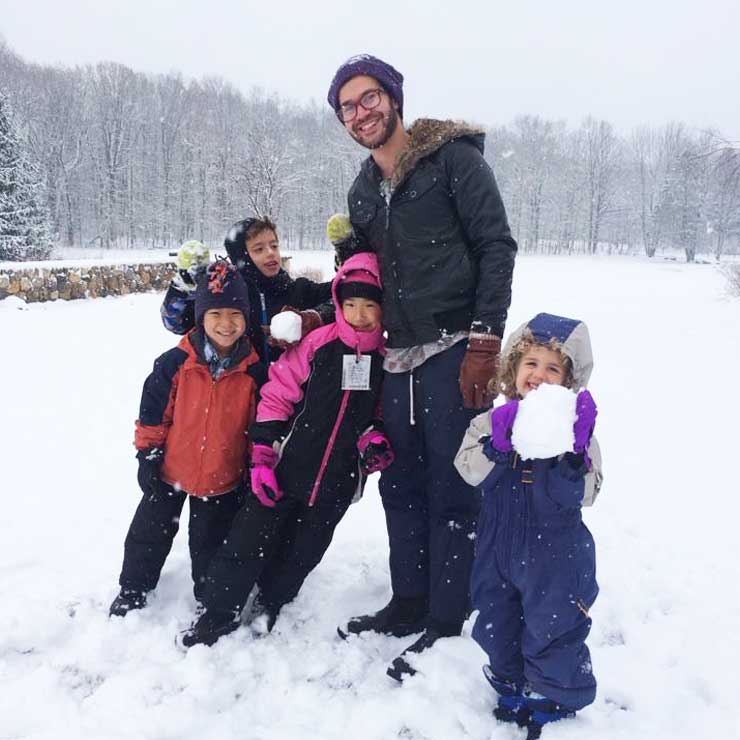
(375,451)
(502,422)
(584,424)
(262,476)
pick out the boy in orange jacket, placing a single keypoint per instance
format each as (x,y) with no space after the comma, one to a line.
(191,437)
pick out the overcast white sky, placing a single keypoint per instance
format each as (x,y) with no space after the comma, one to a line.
(628,61)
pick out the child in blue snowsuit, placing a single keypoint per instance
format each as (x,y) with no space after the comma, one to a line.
(534,574)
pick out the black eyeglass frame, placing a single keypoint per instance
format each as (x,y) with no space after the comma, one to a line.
(376,90)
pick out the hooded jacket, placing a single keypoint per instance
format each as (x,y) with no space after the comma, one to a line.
(202,423)
(574,341)
(307,416)
(443,241)
(534,574)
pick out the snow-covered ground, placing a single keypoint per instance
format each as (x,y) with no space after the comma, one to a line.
(665,640)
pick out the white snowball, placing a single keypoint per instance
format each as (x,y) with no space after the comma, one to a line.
(286,326)
(544,422)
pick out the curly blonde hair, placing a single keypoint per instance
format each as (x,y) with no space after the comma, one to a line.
(505,383)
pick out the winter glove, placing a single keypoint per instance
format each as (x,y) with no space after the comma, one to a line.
(192,258)
(583,428)
(375,451)
(340,234)
(479,366)
(310,320)
(263,478)
(150,461)
(338,228)
(502,423)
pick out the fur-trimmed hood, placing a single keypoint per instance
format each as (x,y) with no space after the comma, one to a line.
(426,136)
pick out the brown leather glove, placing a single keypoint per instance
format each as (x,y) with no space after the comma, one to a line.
(479,366)
(310,320)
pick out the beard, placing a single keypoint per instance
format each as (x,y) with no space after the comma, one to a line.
(387,127)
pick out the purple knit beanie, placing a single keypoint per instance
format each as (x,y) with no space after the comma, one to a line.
(366,64)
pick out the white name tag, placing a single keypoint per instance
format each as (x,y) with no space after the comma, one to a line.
(356,373)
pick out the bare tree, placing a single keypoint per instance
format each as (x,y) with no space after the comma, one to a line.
(601,153)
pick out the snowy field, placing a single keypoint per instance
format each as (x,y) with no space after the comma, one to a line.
(665,641)
(86,257)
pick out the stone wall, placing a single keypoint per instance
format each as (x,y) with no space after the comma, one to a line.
(68,283)
(34,285)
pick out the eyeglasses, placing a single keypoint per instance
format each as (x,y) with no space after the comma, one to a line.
(370,99)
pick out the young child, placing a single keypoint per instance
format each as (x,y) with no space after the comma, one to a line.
(191,438)
(317,419)
(253,248)
(533,578)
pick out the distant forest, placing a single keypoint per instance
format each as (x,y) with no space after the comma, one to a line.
(136,160)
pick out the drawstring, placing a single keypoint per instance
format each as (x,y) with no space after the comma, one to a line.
(265,344)
(412,420)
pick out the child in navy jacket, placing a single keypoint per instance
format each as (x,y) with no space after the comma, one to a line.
(534,573)
(253,248)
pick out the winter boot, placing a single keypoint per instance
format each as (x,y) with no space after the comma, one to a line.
(261,616)
(511,705)
(542,712)
(128,600)
(401,668)
(399,618)
(208,628)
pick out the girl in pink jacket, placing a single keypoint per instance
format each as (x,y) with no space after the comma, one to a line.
(317,435)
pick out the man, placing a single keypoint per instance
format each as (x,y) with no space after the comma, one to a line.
(427,203)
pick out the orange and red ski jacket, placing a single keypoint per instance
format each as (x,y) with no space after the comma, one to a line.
(202,423)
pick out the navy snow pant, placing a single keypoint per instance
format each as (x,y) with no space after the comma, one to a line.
(533,585)
(430,511)
(155,524)
(274,547)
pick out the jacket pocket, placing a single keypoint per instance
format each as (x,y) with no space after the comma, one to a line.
(419,185)
(363,214)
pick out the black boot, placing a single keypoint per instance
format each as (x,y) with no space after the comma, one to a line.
(208,628)
(400,618)
(401,668)
(128,600)
(260,615)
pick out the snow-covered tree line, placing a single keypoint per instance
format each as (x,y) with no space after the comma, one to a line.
(591,189)
(135,160)
(131,159)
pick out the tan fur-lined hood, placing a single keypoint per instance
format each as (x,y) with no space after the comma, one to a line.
(426,136)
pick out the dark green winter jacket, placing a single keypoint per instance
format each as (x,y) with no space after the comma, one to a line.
(444,245)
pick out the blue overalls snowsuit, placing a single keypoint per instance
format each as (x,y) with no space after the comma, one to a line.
(534,577)
(534,574)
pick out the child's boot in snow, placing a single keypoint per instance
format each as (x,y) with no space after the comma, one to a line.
(207,629)
(543,711)
(128,600)
(511,705)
